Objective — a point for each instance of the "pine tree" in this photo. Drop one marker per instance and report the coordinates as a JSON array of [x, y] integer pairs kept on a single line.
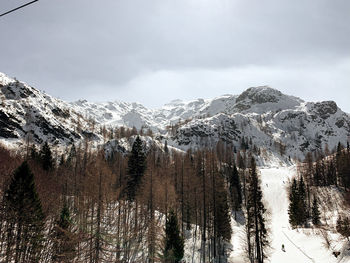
[[174, 243], [315, 213], [166, 149], [235, 189], [293, 204], [343, 227], [64, 238], [25, 218], [331, 174], [297, 210], [33, 153], [302, 207], [46, 157], [256, 215], [136, 167], [222, 218], [72, 155]]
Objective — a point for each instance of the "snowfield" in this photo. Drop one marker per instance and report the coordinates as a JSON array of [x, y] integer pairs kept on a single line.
[[260, 116], [278, 127], [300, 245]]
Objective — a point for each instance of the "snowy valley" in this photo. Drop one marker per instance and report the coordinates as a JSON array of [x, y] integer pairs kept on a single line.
[[182, 140]]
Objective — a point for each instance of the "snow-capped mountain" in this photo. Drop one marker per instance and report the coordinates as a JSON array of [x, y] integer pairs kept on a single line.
[[29, 114], [260, 117]]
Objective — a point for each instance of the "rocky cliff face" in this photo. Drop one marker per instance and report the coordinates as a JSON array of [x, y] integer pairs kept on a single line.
[[261, 117], [28, 114]]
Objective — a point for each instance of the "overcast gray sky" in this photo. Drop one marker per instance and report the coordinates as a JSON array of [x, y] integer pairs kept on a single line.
[[154, 51]]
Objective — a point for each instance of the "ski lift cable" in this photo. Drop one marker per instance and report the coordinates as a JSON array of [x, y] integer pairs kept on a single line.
[[15, 9]]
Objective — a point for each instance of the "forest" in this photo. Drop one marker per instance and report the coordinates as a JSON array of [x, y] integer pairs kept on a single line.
[[318, 174], [86, 206]]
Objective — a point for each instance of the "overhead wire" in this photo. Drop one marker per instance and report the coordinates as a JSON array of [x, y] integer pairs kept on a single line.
[[15, 9]]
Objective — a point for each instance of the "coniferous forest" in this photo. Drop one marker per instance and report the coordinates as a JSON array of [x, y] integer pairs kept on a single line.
[[318, 174], [83, 205]]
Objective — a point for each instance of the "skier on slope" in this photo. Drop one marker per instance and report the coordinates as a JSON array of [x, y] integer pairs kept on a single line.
[[283, 249]]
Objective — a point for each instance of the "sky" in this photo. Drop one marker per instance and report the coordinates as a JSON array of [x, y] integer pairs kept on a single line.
[[156, 51]]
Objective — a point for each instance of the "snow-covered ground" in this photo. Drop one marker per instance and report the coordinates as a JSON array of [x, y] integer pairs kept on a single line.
[[301, 245]]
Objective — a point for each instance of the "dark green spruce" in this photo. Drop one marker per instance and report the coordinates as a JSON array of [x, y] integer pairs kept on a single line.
[[46, 157], [64, 237], [136, 168], [174, 243], [24, 217]]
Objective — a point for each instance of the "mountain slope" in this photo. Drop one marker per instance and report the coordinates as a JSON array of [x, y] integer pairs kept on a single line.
[[28, 114], [261, 118]]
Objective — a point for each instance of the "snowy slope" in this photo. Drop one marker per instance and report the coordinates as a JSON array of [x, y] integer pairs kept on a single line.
[[274, 125], [300, 245], [29, 114], [267, 119]]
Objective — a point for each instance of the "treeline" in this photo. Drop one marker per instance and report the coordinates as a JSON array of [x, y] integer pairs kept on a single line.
[[322, 170], [90, 207], [326, 170]]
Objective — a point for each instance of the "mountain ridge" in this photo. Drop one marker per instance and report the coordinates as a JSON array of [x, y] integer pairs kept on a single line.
[[262, 116]]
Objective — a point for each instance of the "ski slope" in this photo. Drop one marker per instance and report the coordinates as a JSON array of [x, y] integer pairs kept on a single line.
[[299, 246]]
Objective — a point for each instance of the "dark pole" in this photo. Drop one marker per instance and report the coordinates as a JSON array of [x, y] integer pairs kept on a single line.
[[19, 7]]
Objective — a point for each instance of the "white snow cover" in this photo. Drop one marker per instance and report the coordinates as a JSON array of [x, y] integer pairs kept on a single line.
[[262, 115], [301, 245]]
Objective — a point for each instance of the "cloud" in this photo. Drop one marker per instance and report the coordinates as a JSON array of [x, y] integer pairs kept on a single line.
[[74, 48], [308, 81]]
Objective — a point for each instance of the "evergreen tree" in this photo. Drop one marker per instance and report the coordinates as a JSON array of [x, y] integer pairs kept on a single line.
[[24, 218], [244, 144], [315, 213], [166, 149], [64, 238], [136, 168], [293, 204], [174, 243], [256, 215], [302, 207], [331, 174], [72, 155], [343, 167], [297, 207], [33, 153], [62, 160], [235, 189], [222, 217], [343, 227], [46, 157]]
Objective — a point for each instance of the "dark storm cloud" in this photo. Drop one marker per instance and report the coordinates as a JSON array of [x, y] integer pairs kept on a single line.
[[109, 49]]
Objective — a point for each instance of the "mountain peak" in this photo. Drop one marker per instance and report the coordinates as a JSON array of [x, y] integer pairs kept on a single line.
[[263, 99], [175, 102], [259, 95]]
